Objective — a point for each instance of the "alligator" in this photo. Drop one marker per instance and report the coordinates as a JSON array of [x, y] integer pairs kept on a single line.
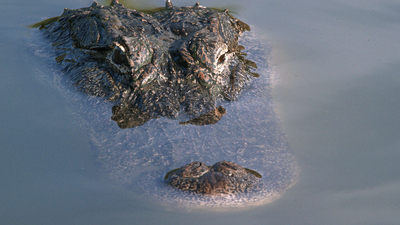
[[175, 63]]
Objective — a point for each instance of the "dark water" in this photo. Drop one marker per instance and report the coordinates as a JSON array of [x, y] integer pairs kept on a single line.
[[337, 92]]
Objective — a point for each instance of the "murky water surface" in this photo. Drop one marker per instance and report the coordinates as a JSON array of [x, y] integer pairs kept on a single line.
[[336, 93]]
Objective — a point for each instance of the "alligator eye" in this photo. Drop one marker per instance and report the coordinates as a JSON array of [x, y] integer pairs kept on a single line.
[[119, 55], [221, 59]]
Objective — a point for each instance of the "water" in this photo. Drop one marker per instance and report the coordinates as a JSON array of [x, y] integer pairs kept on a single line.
[[337, 97]]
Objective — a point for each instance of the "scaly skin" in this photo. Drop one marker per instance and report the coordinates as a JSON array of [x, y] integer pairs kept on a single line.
[[221, 178], [176, 62]]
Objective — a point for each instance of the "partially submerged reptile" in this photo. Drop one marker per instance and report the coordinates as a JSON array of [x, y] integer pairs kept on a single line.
[[177, 62]]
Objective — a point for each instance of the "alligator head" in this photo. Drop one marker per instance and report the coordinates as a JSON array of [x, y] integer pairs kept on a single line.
[[175, 62]]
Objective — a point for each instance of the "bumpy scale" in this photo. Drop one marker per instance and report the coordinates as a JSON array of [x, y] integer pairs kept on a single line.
[[221, 178]]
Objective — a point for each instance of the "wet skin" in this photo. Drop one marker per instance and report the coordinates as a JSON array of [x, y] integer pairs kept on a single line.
[[176, 62]]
